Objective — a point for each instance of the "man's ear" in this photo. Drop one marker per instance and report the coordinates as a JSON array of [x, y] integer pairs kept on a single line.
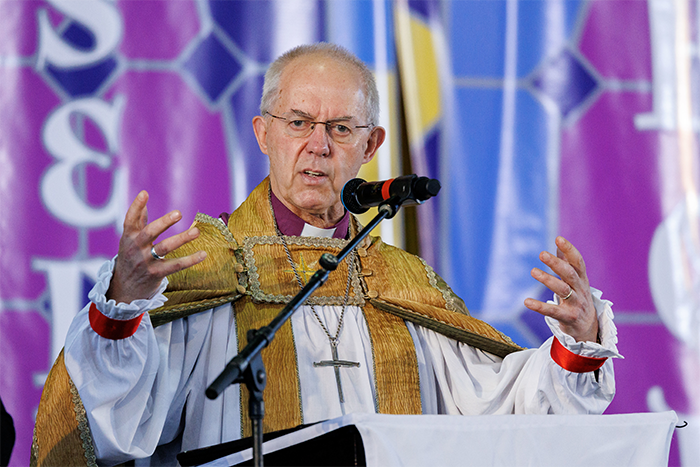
[[376, 139], [260, 130]]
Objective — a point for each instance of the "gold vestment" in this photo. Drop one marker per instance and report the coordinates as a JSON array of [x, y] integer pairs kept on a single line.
[[246, 264]]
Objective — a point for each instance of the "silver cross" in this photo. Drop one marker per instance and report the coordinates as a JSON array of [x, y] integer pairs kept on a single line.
[[337, 364]]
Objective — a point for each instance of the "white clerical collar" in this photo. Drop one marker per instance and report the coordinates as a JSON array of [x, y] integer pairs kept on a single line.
[[293, 226], [311, 231]]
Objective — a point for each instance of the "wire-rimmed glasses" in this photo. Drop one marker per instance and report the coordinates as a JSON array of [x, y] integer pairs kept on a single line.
[[340, 131]]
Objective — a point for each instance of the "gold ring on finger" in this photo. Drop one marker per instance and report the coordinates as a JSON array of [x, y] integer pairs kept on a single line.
[[571, 291]]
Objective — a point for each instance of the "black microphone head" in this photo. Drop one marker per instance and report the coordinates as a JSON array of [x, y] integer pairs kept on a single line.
[[426, 188], [349, 199]]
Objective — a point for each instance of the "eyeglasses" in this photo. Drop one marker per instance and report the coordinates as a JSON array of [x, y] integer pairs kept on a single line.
[[339, 131]]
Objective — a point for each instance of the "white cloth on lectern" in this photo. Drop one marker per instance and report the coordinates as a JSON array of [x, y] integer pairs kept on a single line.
[[573, 440]]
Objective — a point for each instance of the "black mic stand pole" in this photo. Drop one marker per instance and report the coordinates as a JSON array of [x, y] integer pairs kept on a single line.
[[247, 367]]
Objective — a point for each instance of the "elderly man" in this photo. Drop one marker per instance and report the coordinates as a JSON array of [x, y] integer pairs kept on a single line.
[[407, 343]]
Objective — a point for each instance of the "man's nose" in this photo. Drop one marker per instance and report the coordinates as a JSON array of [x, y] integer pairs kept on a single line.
[[319, 141]]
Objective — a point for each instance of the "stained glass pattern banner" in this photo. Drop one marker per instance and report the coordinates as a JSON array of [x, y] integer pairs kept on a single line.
[[539, 118]]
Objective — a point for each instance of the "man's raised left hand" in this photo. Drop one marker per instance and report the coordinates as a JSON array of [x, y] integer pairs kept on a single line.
[[575, 312]]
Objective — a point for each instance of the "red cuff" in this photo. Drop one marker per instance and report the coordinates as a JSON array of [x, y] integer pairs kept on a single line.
[[112, 328], [573, 362]]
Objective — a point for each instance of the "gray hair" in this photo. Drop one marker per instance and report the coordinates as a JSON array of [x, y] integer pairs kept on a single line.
[[274, 75]]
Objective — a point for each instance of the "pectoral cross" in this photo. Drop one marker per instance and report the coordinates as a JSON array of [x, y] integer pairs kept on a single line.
[[337, 364]]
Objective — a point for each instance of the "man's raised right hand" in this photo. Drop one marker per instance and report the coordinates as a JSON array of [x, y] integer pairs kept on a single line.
[[137, 273]]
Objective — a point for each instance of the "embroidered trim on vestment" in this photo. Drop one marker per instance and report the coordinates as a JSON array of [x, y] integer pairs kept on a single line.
[[449, 330], [85, 435], [34, 455], [166, 314], [259, 295], [218, 223], [433, 280]]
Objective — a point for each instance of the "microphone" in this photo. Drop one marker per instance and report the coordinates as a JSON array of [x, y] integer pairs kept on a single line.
[[358, 195]]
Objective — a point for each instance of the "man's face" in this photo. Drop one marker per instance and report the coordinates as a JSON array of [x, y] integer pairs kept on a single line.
[[308, 173]]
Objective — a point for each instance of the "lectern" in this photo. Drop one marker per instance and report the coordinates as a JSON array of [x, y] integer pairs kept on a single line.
[[340, 447]]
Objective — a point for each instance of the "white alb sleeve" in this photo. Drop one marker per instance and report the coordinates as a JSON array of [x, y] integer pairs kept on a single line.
[[470, 381], [128, 386]]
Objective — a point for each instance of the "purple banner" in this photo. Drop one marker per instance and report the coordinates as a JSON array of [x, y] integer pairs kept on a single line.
[[576, 117]]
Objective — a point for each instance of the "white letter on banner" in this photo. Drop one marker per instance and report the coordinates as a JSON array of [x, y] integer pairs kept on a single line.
[[57, 189], [101, 18], [65, 279], [662, 27]]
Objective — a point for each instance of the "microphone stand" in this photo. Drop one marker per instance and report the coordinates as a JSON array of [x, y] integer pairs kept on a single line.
[[247, 367]]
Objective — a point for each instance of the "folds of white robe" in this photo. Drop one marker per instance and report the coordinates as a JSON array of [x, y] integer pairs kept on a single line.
[[144, 395]]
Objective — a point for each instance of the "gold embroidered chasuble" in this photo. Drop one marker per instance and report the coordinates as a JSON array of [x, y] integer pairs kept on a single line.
[[247, 265]]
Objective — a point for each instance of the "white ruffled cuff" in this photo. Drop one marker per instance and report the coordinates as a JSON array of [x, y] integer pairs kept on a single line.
[[607, 331], [122, 311]]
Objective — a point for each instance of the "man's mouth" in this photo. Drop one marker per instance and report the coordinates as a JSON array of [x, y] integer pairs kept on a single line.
[[313, 173]]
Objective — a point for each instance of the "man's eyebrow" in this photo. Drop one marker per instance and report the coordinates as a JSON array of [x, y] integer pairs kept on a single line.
[[301, 113]]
